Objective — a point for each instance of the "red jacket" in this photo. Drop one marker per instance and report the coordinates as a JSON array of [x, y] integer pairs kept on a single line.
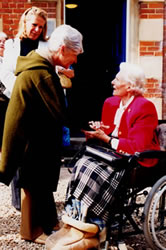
[[137, 127]]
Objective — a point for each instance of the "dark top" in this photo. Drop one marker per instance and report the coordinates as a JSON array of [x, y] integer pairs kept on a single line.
[[28, 45]]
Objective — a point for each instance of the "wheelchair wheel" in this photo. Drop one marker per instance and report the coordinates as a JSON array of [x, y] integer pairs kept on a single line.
[[154, 225]]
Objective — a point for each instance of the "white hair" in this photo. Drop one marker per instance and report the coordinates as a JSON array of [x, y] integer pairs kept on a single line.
[[3, 35], [133, 74], [68, 36]]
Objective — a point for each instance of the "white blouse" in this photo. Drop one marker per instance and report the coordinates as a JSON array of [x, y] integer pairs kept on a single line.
[[117, 119]]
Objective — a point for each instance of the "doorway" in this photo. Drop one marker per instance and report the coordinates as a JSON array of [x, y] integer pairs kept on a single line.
[[104, 41]]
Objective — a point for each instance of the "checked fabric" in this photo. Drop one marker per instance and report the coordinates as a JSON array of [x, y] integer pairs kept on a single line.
[[94, 182]]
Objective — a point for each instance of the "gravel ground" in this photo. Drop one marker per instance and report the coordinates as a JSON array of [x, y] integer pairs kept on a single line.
[[10, 220], [10, 217]]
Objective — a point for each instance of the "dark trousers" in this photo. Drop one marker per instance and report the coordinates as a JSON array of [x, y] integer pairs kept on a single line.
[[16, 192], [3, 107]]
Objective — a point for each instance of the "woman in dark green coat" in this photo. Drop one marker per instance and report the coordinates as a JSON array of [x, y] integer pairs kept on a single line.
[[33, 130]]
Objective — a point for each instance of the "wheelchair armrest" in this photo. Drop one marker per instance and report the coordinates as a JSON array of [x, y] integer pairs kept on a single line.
[[150, 154]]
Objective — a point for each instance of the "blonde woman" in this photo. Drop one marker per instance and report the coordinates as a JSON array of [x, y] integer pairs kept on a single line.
[[31, 35]]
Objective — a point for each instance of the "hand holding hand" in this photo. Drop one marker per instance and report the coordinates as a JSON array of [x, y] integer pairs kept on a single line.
[[98, 125], [98, 131]]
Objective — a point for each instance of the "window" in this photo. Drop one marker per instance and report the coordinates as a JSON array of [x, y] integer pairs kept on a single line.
[[51, 25]]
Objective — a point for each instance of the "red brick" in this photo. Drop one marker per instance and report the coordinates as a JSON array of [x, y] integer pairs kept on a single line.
[[146, 54], [155, 16], [153, 48], [160, 53], [143, 48], [144, 5], [147, 11], [143, 16], [156, 5], [159, 11], [147, 43], [5, 5]]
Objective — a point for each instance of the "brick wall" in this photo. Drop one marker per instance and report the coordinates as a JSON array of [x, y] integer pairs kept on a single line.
[[164, 68], [151, 49], [11, 10], [151, 10]]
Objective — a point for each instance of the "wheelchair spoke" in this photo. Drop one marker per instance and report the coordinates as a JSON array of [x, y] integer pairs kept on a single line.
[[155, 216], [157, 223]]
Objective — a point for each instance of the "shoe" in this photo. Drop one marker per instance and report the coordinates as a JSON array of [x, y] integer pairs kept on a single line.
[[70, 238], [41, 239]]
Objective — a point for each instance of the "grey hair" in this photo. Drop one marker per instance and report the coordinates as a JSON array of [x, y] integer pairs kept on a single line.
[[133, 74], [68, 36]]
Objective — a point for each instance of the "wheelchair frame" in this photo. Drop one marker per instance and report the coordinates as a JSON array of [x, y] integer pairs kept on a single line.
[[151, 212], [130, 212], [151, 215]]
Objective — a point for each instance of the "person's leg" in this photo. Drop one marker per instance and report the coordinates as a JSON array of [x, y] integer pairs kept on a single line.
[[47, 211], [30, 228], [16, 192], [38, 213]]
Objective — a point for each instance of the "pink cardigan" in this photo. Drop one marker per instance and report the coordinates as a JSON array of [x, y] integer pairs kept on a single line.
[[137, 127]]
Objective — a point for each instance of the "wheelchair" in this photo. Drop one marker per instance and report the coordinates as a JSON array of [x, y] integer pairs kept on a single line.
[[138, 207]]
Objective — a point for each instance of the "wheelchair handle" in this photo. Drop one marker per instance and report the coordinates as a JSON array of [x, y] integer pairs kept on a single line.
[[150, 154]]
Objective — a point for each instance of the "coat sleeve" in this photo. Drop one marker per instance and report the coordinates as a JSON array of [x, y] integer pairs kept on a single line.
[[11, 53], [14, 137]]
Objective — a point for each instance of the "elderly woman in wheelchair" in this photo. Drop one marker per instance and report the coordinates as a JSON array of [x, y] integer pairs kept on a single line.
[[110, 163]]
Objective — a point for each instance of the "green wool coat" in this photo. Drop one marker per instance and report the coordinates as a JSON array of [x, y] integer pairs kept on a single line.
[[33, 126]]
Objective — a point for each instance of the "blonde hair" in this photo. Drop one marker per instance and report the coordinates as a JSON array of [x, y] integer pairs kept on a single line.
[[33, 11]]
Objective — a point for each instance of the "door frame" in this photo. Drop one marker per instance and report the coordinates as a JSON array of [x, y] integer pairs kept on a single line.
[[132, 31]]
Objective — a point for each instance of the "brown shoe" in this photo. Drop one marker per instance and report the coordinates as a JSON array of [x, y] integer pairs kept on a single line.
[[70, 238], [41, 239]]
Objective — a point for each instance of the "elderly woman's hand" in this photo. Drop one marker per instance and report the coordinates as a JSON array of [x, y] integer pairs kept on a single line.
[[98, 131], [97, 125]]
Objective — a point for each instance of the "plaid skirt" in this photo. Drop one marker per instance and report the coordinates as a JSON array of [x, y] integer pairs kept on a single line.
[[94, 182]]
